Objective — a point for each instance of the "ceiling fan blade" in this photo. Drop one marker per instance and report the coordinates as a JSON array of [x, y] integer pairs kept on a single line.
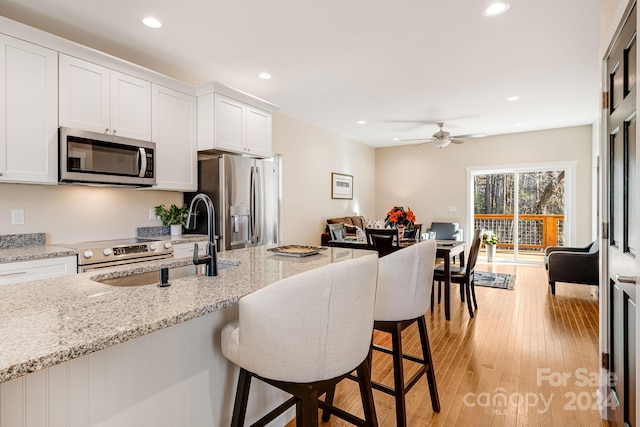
[[418, 139], [457, 141], [471, 135]]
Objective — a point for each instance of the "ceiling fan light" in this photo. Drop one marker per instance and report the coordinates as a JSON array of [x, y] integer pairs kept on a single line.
[[441, 143]]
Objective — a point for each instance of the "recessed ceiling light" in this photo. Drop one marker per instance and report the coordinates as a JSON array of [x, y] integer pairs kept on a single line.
[[396, 139], [518, 124], [264, 76], [361, 122], [151, 22], [513, 98], [496, 8]]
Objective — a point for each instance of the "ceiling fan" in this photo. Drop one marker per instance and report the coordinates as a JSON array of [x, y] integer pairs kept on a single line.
[[442, 138]]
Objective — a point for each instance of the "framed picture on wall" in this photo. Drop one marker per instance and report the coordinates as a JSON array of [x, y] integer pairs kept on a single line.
[[341, 186]]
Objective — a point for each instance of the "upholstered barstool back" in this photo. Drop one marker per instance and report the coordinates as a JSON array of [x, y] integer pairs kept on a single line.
[[305, 329], [403, 282]]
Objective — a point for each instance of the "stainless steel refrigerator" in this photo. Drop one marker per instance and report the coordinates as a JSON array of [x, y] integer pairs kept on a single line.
[[246, 196]]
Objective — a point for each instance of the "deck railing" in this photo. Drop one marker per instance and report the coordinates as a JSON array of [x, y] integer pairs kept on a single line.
[[535, 232]]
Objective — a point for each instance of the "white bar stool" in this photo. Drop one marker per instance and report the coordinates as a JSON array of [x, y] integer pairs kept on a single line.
[[304, 334], [405, 280]]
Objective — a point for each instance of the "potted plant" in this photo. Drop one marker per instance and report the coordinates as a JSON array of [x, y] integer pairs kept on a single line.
[[398, 218], [174, 217], [490, 240]]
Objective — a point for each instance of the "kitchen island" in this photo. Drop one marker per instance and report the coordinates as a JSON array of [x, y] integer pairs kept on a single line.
[[78, 352]]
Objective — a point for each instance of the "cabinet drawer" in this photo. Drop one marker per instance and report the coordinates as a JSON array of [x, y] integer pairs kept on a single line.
[[23, 271], [183, 250]]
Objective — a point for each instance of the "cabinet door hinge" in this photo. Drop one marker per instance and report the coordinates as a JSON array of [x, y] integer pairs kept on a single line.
[[605, 230], [605, 360], [605, 99]]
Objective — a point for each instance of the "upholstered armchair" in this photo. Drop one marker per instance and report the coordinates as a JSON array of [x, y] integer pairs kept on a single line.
[[446, 230], [573, 265]]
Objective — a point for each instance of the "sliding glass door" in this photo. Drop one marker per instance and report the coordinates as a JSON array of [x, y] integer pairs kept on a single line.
[[526, 207]]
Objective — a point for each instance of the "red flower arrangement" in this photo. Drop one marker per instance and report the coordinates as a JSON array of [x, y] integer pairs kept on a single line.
[[398, 216]]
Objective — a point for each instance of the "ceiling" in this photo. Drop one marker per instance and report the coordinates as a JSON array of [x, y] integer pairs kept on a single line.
[[395, 65]]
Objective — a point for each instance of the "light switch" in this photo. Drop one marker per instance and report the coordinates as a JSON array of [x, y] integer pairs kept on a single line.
[[17, 217]]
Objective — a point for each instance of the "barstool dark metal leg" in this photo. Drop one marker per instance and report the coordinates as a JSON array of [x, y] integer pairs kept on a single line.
[[242, 397], [366, 393], [398, 375], [426, 354]]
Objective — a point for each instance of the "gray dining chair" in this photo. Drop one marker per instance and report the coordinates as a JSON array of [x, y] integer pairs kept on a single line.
[[337, 231]]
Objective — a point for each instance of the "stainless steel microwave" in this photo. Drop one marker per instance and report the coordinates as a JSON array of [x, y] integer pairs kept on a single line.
[[95, 158]]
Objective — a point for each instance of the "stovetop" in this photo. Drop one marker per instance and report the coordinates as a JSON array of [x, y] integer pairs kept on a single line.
[[103, 251]]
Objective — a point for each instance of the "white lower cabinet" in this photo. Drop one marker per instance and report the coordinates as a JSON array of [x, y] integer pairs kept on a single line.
[[183, 250], [174, 130], [177, 376], [22, 271], [28, 112]]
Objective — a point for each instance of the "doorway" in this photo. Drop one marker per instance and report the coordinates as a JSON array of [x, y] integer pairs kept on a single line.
[[528, 207]]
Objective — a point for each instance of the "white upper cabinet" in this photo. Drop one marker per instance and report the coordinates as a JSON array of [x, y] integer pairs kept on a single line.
[[28, 112], [259, 130], [130, 106], [229, 119], [230, 122], [97, 99], [174, 132]]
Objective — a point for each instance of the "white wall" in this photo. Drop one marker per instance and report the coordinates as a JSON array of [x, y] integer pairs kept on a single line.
[[309, 155], [70, 213], [431, 179]]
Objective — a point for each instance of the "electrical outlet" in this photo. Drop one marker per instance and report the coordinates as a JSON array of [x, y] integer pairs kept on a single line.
[[17, 217], [152, 214]]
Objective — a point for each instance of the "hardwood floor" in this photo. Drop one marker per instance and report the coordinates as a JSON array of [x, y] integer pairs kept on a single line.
[[537, 351]]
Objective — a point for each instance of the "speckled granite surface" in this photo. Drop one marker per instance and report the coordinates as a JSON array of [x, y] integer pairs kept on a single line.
[[29, 253], [161, 230], [21, 240], [46, 322]]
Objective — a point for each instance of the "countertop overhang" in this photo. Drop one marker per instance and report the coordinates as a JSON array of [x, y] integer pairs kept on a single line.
[[47, 322]]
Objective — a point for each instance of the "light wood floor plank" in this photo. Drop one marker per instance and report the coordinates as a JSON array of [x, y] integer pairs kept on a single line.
[[516, 338]]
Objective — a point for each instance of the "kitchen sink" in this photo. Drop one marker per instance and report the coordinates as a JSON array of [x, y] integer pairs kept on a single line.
[[153, 277]]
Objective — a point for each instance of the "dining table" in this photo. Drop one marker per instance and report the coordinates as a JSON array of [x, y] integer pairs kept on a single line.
[[447, 250]]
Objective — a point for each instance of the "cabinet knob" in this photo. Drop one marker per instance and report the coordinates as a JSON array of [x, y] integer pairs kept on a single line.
[[114, 132], [106, 130], [0, 173]]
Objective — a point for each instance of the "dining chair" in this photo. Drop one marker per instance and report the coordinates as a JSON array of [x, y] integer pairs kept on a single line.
[[415, 233], [405, 280], [337, 231], [304, 334], [464, 276], [383, 240]]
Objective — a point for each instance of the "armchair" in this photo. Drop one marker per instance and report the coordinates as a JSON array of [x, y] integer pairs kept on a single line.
[[446, 230], [572, 265]]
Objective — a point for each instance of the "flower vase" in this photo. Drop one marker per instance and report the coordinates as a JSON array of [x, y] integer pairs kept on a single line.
[[176, 230], [491, 252], [400, 231]]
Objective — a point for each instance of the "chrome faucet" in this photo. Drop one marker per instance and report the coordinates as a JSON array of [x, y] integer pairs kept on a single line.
[[211, 259]]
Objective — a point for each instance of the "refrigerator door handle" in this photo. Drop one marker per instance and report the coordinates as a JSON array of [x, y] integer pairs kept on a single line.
[[256, 200], [254, 227]]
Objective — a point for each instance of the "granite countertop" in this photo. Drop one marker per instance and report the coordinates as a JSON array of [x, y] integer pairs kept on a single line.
[[46, 322], [29, 253]]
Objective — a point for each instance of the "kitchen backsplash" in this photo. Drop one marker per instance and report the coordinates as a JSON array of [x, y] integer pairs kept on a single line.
[[21, 240]]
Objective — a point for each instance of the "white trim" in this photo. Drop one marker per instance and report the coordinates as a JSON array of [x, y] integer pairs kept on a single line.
[[570, 168]]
